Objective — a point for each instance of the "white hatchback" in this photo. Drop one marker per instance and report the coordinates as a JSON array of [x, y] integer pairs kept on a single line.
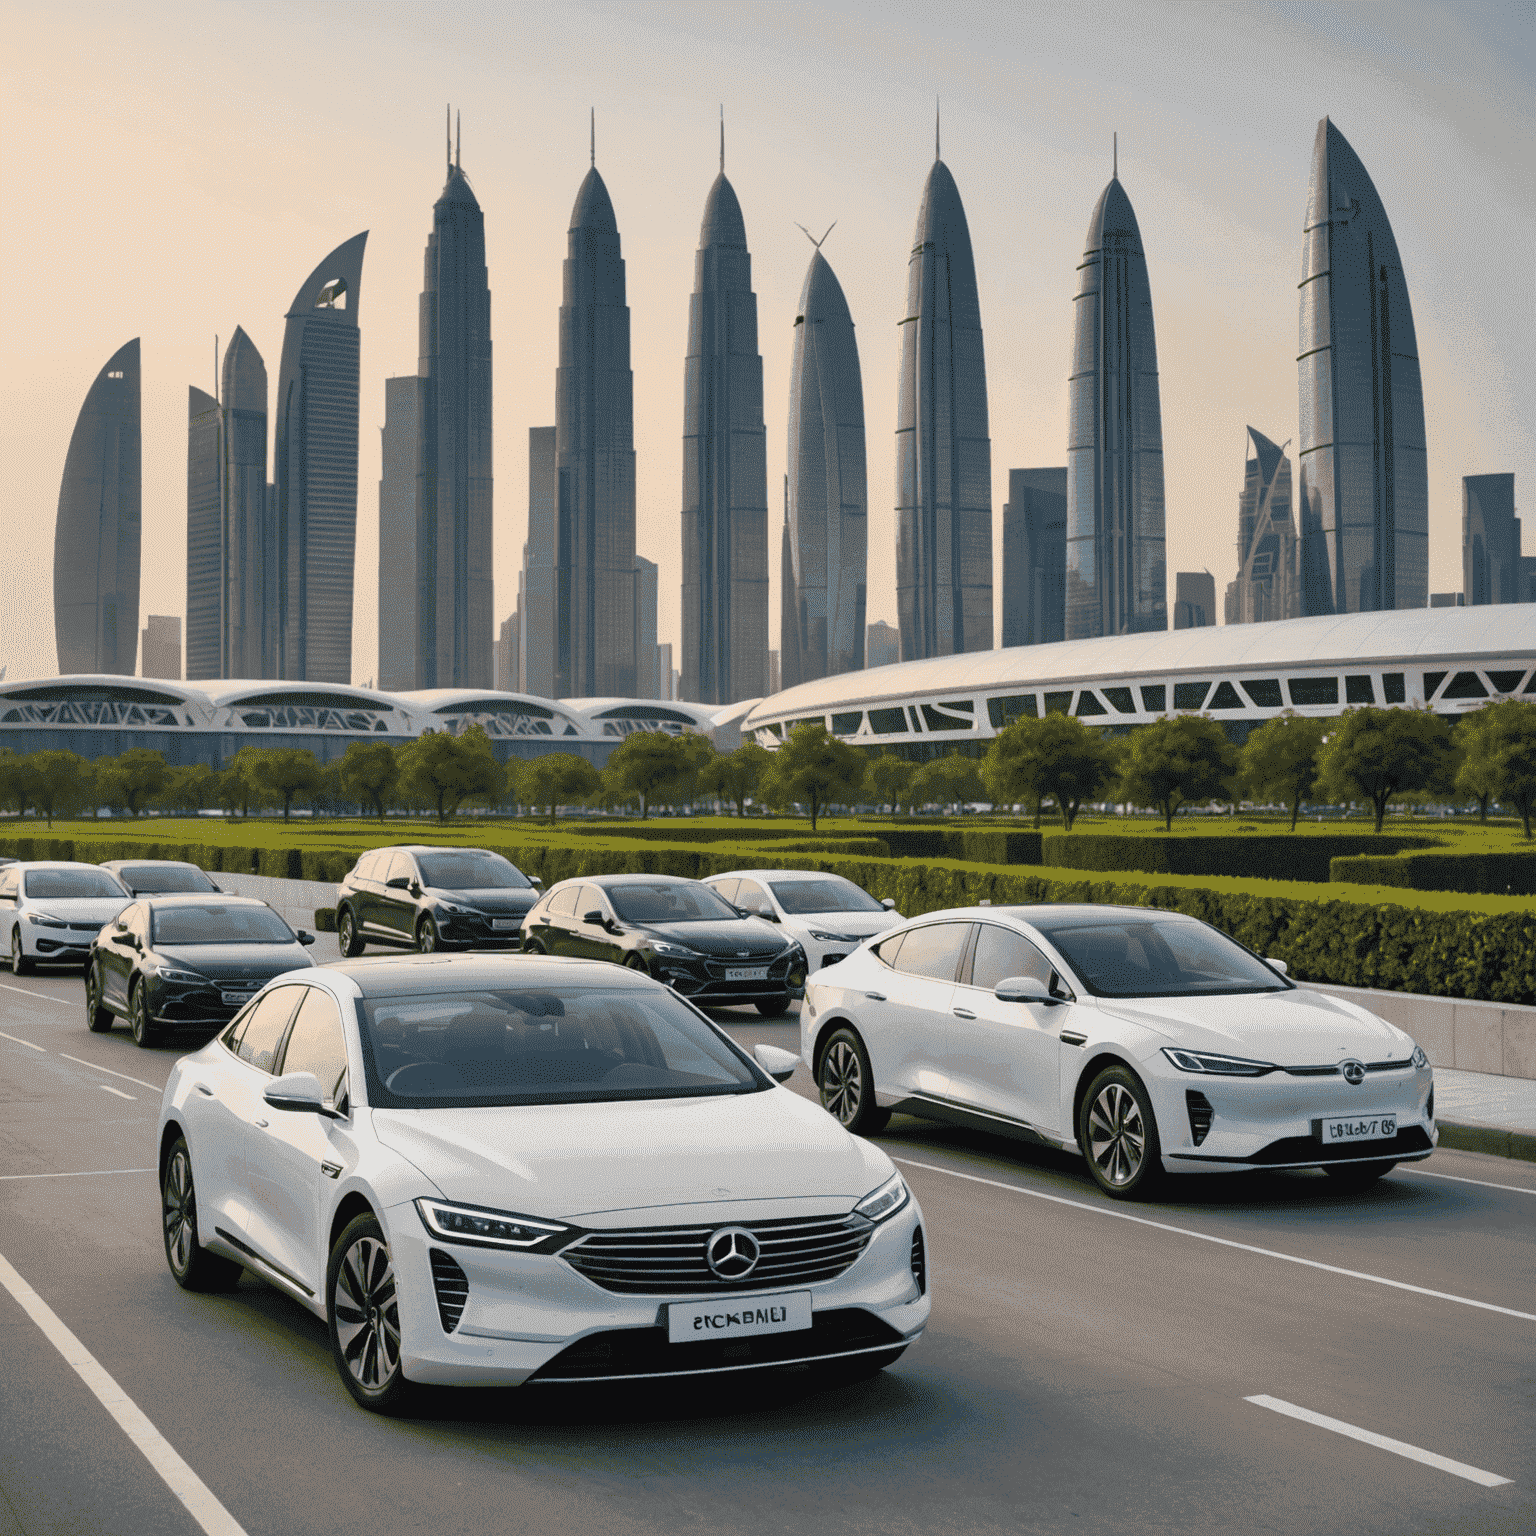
[[52, 910], [830, 916], [1147, 1041]]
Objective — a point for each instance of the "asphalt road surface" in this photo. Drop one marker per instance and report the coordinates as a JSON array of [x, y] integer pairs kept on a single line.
[[1089, 1367]]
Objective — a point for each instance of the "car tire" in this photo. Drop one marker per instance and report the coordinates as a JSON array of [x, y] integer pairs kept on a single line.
[[846, 1083], [363, 1310], [774, 1007], [1350, 1177], [192, 1266], [348, 939], [20, 965], [146, 1033], [1117, 1132], [428, 940], [98, 1017], [532, 947], [636, 962]]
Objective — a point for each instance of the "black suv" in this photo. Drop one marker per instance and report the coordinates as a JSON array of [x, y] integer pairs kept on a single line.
[[428, 898]]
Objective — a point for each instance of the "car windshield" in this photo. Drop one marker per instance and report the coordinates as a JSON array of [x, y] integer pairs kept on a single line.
[[219, 923], [152, 878], [545, 1045], [71, 884], [669, 901], [829, 894], [1158, 957], [471, 870]]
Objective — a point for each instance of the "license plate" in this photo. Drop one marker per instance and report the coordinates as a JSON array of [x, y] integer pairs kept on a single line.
[[748, 973], [506, 922], [738, 1317], [1359, 1128], [236, 999]]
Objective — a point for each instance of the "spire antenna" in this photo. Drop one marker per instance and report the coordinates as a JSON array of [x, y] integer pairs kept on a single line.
[[722, 138], [936, 154], [448, 131], [594, 138], [812, 238], [1117, 157], [215, 367], [458, 139]]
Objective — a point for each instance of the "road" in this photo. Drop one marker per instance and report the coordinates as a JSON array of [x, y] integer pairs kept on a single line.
[[1089, 1365]]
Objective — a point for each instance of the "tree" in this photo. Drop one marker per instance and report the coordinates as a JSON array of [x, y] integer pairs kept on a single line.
[[1373, 754], [1477, 774], [813, 767], [137, 775], [285, 772], [63, 783], [190, 789], [1513, 734], [1175, 760], [445, 770], [370, 773], [890, 777], [18, 779], [1279, 761], [644, 763], [952, 779], [557, 778], [1056, 756], [735, 776]]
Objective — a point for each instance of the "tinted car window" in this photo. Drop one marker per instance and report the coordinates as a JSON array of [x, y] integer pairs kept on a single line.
[[933, 951], [888, 948], [367, 866], [550, 1045], [399, 864], [316, 1043], [751, 896], [1169, 957], [70, 884], [725, 889], [829, 893], [160, 877], [590, 899], [220, 923], [471, 870], [668, 901], [1001, 954], [8, 885], [263, 1032], [563, 903]]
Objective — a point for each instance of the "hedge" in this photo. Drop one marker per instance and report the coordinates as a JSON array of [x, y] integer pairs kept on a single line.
[[1269, 857], [1491, 874]]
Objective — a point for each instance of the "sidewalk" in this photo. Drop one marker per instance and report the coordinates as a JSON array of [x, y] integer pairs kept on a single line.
[[1478, 1112]]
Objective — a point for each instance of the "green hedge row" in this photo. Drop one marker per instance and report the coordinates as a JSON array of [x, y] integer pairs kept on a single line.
[[329, 865], [1491, 874], [1250, 855], [854, 847]]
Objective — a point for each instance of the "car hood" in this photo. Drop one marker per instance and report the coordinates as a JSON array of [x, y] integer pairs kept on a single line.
[[857, 925], [498, 900], [1292, 1029], [237, 962], [566, 1161], [78, 909], [724, 940]]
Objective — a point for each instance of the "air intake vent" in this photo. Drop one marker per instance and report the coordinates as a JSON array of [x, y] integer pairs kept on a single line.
[[1200, 1115], [919, 1261], [452, 1287], [1430, 1107]]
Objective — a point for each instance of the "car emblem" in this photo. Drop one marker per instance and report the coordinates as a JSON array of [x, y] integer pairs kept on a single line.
[[733, 1253], [1354, 1071], [741, 954]]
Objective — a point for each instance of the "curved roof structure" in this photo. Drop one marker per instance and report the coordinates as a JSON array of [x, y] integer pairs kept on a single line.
[[622, 717], [498, 713]]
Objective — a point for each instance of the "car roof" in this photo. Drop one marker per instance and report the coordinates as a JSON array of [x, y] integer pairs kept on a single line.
[[56, 864], [428, 848], [198, 899], [386, 975], [779, 874], [1045, 915], [632, 879], [116, 864]]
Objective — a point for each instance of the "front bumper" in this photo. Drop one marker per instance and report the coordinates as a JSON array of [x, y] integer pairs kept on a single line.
[[702, 979], [475, 930]]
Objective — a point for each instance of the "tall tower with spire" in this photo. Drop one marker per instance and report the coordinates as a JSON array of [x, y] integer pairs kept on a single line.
[[1116, 561], [595, 575], [725, 467], [943, 452]]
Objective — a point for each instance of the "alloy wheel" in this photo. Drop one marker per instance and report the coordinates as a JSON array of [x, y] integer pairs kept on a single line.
[[179, 1210], [1117, 1134], [19, 965], [842, 1082], [138, 1018], [426, 936], [367, 1312]]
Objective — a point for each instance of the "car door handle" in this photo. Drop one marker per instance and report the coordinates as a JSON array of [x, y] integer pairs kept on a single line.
[[331, 1170], [875, 997], [1072, 1037], [203, 1088], [963, 1013]]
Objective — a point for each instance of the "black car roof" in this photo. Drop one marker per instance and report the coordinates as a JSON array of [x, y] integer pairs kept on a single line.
[[384, 975]]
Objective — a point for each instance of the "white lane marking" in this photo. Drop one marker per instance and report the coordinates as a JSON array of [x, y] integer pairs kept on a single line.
[[84, 1173], [110, 1073], [1456, 1178], [1223, 1242], [47, 997], [108, 1088], [194, 1494], [17, 1040], [1397, 1447]]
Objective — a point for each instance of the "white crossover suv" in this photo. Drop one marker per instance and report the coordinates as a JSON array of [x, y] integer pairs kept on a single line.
[[830, 916]]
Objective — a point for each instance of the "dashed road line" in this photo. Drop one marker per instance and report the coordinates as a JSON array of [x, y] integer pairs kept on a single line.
[[84, 1173], [1456, 1178], [108, 1088], [47, 997], [17, 1040], [153, 1087], [1397, 1447]]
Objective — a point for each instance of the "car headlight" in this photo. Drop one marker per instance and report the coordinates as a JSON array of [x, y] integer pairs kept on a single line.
[[44, 921], [665, 947], [885, 1201], [456, 909], [832, 938], [171, 973], [477, 1227], [1219, 1066], [1419, 1059]]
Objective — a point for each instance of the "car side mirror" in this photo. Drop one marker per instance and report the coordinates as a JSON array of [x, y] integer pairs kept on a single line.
[[594, 918], [301, 1093], [1277, 965], [535, 880], [398, 883], [889, 904], [305, 937], [778, 1064], [1025, 989], [767, 914]]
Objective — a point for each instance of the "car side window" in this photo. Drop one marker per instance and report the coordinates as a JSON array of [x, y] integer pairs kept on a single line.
[[751, 897], [317, 1044], [933, 951], [888, 949], [365, 867], [399, 864], [725, 890], [563, 903], [592, 898], [1001, 953], [136, 920], [263, 1032], [8, 883]]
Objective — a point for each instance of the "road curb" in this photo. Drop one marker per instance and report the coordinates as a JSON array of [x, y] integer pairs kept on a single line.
[[1488, 1138]]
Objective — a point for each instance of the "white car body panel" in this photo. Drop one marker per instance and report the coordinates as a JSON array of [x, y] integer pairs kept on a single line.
[[852, 928]]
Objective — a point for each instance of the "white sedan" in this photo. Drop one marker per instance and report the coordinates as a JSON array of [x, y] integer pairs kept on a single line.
[[830, 916], [52, 910], [1147, 1041], [492, 1170]]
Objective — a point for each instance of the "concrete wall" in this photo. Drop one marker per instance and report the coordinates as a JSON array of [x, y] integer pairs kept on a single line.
[[295, 900]]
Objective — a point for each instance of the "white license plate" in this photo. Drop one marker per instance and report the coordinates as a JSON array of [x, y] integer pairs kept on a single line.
[[236, 999], [738, 1317], [747, 973], [1359, 1128], [506, 922]]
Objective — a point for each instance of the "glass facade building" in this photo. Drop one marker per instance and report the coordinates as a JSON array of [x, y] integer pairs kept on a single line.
[[1035, 556], [1490, 541], [1116, 580], [1364, 488], [1268, 584]]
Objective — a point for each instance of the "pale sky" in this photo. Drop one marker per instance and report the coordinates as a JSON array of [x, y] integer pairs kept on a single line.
[[172, 170]]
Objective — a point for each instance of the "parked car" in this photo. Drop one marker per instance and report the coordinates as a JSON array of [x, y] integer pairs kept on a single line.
[[186, 962], [1146, 1041], [426, 898], [679, 931], [157, 877], [828, 916], [50, 910], [549, 1172]]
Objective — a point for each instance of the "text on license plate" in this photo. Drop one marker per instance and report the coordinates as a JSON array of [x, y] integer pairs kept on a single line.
[[1360, 1128], [506, 922], [235, 999], [747, 973], [738, 1317]]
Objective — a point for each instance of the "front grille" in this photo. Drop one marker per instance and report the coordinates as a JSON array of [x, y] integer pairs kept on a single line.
[[669, 1261], [919, 1261], [1333, 1071], [621, 1352], [1200, 1115], [452, 1287], [1307, 1149]]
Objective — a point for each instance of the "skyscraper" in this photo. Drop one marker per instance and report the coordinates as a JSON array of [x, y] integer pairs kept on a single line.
[[595, 576], [536, 598], [943, 453], [231, 541], [725, 469], [1364, 486], [828, 512], [1194, 600], [406, 542], [647, 655], [1268, 584], [96, 537], [316, 470], [1490, 540], [1035, 556], [1116, 563], [160, 646]]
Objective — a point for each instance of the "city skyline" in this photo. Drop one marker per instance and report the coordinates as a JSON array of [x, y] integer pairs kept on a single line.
[[1221, 210]]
